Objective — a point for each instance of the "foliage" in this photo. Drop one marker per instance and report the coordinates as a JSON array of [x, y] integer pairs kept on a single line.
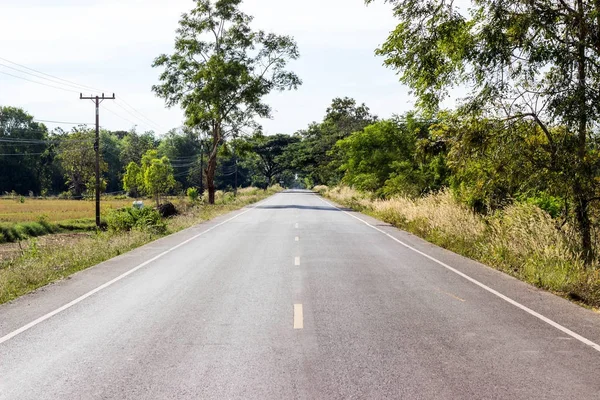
[[133, 180], [154, 176], [158, 177], [315, 156], [11, 232], [271, 161], [220, 71], [19, 136], [193, 194], [126, 219], [536, 61], [78, 162]]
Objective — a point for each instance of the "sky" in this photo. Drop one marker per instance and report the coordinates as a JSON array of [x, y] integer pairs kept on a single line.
[[110, 45]]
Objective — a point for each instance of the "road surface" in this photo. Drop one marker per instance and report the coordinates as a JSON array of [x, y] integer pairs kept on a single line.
[[296, 299]]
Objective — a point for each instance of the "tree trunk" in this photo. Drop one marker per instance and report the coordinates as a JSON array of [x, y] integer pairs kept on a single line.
[[211, 168], [210, 178], [583, 176]]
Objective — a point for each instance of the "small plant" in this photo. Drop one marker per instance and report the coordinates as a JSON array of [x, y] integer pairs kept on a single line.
[[33, 250], [193, 194], [129, 218], [22, 199]]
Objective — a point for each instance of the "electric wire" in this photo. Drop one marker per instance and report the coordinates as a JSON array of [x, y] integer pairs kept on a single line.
[[39, 83], [145, 121]]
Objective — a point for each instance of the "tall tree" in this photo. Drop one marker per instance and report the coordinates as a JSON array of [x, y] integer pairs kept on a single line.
[[77, 158], [221, 70], [317, 155], [134, 146], [270, 151], [22, 145], [534, 60], [158, 178], [182, 147]]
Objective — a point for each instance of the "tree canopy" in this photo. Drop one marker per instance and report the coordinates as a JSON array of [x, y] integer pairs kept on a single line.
[[221, 70]]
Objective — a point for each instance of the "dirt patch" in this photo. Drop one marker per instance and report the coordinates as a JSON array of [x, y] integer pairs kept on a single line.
[[9, 251]]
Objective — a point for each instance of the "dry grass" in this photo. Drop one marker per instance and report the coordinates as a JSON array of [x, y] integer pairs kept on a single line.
[[521, 240], [44, 261], [55, 210]]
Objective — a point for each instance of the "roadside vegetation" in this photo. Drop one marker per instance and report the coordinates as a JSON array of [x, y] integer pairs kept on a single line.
[[35, 265]]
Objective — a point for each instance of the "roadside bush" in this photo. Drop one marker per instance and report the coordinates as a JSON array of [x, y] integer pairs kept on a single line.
[[321, 189], [193, 194], [129, 218]]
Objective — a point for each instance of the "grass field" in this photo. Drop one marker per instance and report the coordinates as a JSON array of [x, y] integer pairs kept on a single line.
[[54, 210]]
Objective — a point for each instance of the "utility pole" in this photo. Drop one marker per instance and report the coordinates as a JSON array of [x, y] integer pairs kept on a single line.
[[201, 168], [97, 100], [236, 172]]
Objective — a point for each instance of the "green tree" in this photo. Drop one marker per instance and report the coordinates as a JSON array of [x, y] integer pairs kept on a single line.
[[532, 60], [77, 159], [133, 180], [221, 70], [158, 177], [182, 147], [394, 157], [23, 151], [271, 160], [316, 155], [134, 146], [110, 148]]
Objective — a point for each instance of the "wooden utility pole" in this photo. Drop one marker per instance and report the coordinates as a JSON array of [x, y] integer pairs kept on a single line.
[[97, 100]]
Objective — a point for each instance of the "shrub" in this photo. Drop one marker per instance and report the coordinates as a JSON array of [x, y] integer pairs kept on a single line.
[[321, 189], [128, 218], [551, 204], [193, 194]]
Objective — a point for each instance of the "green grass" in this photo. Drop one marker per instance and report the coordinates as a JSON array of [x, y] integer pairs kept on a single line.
[[38, 265], [14, 232]]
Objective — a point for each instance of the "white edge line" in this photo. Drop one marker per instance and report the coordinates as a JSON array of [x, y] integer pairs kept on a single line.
[[528, 310], [70, 304]]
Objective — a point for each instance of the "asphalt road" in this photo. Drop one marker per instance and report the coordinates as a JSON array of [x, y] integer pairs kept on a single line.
[[296, 299]]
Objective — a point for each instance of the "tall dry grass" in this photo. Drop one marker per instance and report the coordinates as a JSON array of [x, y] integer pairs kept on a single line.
[[521, 240], [54, 210]]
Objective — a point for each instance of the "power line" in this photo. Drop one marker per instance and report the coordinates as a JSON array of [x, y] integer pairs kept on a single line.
[[63, 122], [127, 119], [51, 76], [142, 115], [138, 118], [39, 83], [145, 121], [40, 77]]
